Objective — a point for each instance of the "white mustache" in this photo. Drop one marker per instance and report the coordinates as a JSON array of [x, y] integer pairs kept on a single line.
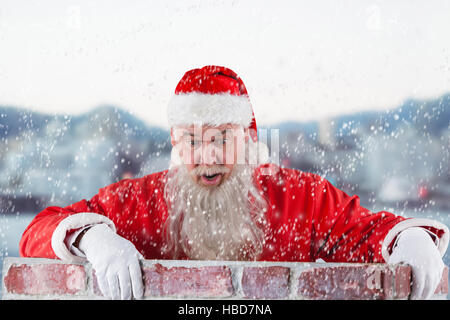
[[203, 170]]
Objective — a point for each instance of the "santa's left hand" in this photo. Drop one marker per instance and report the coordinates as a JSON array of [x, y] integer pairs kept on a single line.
[[416, 248]]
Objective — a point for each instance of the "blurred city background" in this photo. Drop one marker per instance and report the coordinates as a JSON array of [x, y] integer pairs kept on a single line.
[[396, 160]]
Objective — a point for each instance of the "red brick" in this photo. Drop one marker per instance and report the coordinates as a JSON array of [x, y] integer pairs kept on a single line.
[[346, 282], [203, 282], [265, 282], [402, 282], [388, 283], [45, 279], [39, 279]]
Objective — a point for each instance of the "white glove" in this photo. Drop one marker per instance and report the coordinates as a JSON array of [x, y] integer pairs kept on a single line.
[[416, 248], [115, 261]]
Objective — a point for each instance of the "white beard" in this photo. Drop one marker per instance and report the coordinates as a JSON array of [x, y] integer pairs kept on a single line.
[[220, 223]]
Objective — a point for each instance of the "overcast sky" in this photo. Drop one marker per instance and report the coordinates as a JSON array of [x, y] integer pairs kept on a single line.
[[300, 60]]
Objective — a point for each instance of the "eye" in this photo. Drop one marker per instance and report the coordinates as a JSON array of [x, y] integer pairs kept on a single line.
[[220, 142], [195, 143]]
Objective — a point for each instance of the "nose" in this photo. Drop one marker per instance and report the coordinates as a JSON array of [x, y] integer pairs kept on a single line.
[[208, 153]]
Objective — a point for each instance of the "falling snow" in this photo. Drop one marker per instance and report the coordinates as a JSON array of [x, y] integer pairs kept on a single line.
[[396, 160]]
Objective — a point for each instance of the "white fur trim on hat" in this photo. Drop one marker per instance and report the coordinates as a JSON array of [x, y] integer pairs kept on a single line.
[[442, 243], [213, 109], [75, 221]]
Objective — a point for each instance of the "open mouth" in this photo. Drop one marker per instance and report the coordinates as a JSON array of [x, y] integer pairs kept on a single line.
[[211, 179]]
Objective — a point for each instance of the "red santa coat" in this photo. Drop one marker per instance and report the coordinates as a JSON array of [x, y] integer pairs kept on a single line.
[[308, 218]]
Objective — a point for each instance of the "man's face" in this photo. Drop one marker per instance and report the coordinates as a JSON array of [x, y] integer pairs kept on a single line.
[[210, 152]]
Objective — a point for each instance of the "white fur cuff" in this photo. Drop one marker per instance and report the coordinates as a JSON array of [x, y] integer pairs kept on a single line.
[[415, 222], [72, 222]]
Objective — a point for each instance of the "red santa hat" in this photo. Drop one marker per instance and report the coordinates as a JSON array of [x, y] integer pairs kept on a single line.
[[214, 95]]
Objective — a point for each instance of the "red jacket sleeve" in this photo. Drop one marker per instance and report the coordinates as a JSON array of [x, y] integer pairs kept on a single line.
[[133, 208], [37, 237], [344, 231]]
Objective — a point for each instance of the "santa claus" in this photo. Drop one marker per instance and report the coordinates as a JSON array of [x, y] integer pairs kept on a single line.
[[221, 200]]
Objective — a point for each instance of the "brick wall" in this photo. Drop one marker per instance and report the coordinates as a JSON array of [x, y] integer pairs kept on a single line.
[[27, 278]]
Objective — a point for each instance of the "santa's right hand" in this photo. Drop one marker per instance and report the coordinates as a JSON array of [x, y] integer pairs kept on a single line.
[[115, 261]]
